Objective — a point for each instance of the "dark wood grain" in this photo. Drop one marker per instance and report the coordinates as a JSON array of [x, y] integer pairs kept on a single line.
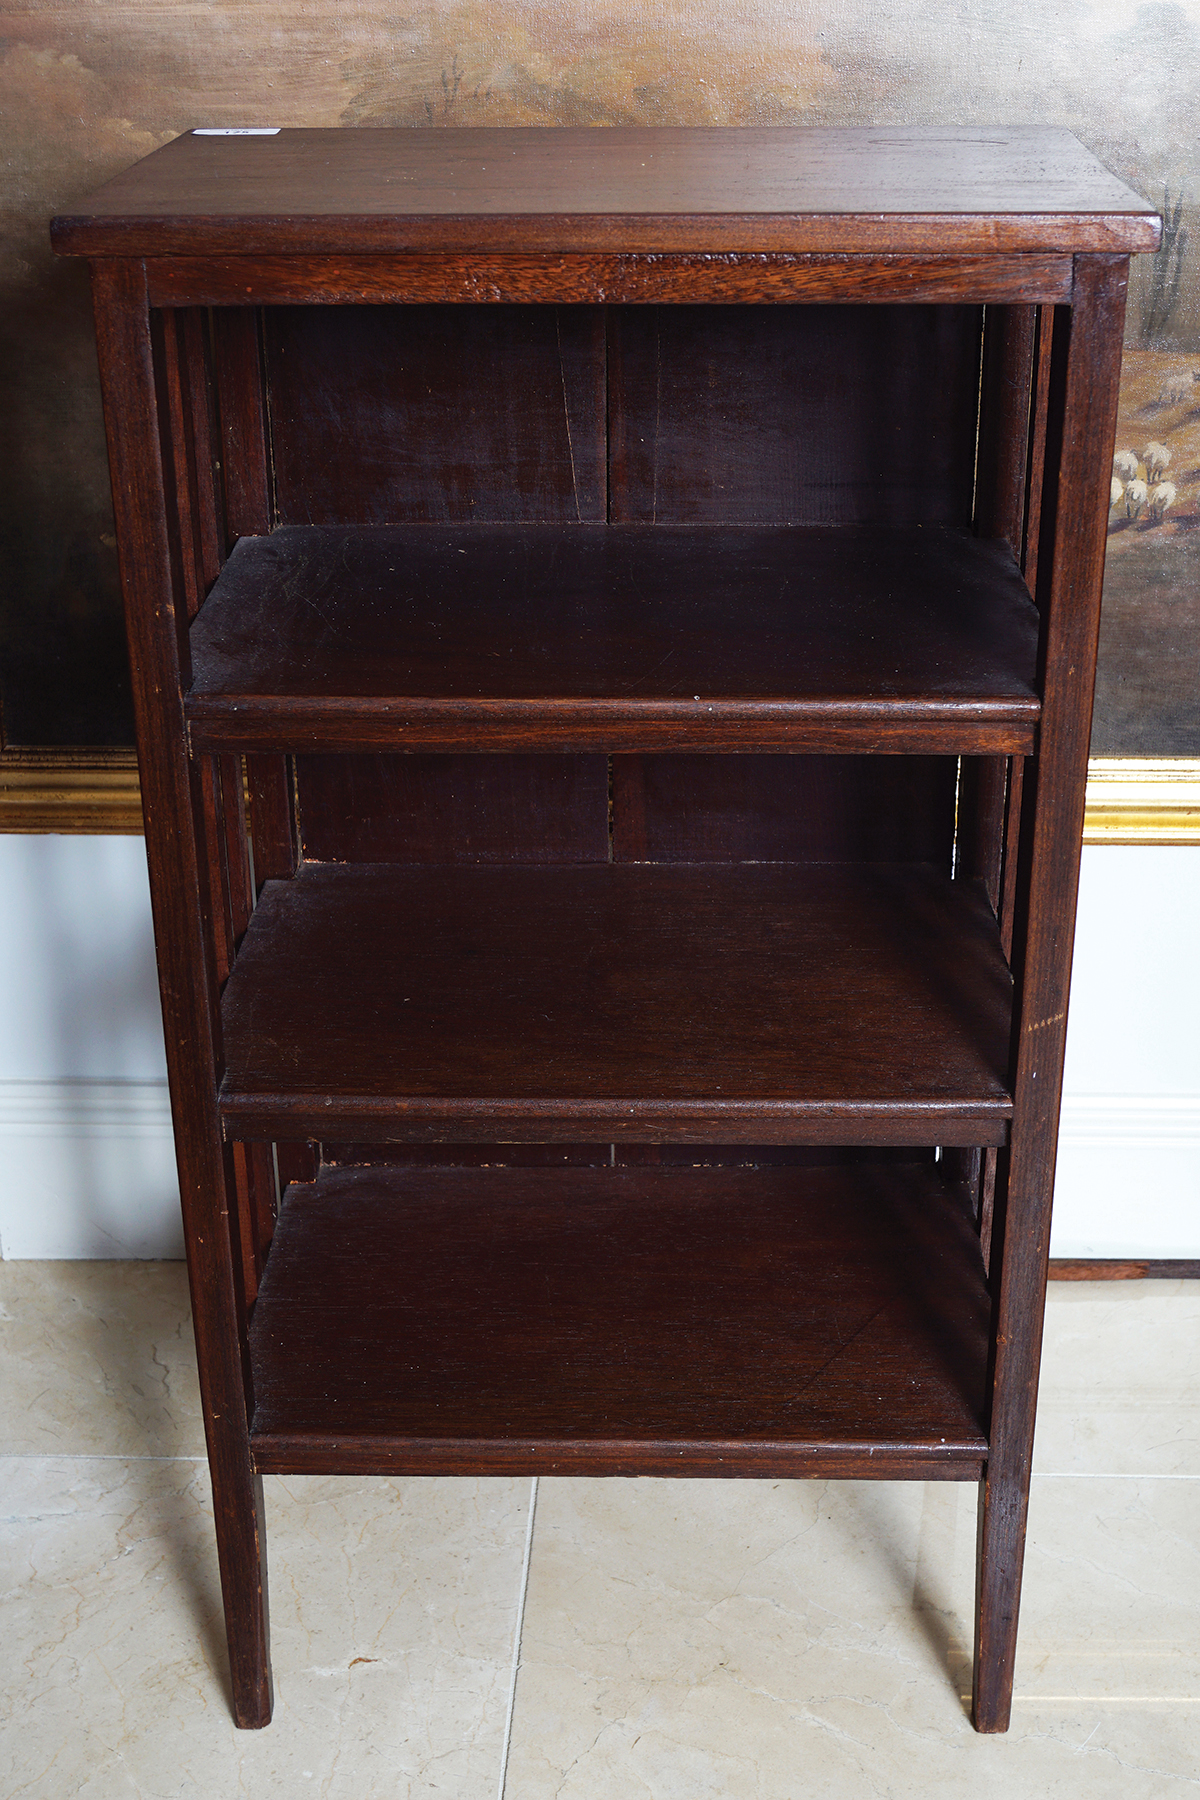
[[1043, 345], [469, 1156], [623, 1322], [1012, 844], [176, 371], [270, 783], [241, 406], [900, 189], [612, 637], [1082, 414], [446, 809], [783, 809], [138, 434], [1102, 1268], [727, 278], [382, 415], [1005, 400], [827, 1004], [196, 357], [802, 415], [979, 851]]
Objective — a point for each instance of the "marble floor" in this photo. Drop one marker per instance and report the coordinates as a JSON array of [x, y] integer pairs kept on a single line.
[[471, 1640]]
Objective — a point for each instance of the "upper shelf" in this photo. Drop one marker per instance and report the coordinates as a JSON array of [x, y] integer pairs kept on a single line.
[[939, 190], [617, 637]]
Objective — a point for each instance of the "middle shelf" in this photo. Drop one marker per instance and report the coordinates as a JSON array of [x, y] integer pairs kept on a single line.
[[617, 637], [753, 1003]]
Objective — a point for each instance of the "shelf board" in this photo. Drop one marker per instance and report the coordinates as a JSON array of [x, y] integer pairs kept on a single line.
[[616, 637], [751, 1003], [778, 1322]]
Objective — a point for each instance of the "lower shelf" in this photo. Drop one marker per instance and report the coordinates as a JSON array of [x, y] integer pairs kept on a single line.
[[824, 1321]]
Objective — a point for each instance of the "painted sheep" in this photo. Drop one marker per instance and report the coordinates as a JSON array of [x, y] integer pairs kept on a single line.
[[1162, 495], [1125, 464], [1156, 457], [1136, 496], [1177, 388]]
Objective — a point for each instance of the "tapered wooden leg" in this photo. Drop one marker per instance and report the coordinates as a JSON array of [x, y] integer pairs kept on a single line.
[[242, 1554], [1080, 423], [1003, 1507]]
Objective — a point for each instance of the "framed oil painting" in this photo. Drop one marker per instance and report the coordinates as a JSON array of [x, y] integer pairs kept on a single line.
[[86, 90]]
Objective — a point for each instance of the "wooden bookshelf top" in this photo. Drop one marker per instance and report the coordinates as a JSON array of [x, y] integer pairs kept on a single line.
[[935, 189]]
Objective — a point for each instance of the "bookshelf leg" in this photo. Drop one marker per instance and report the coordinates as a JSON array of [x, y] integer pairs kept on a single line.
[[242, 1552], [1003, 1506]]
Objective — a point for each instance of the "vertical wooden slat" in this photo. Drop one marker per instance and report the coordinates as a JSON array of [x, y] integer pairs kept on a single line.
[[987, 1206], [1081, 424], [237, 846], [297, 1162], [980, 848], [1012, 840], [181, 520], [1043, 347], [257, 1197], [195, 362], [272, 818], [241, 402], [220, 923], [1004, 424], [153, 593]]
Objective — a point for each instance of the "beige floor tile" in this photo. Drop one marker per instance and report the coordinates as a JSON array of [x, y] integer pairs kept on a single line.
[[780, 1640], [98, 1359], [682, 1638], [393, 1607], [1120, 1388]]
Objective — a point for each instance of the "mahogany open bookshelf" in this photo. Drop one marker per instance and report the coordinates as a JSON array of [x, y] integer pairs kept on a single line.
[[646, 586]]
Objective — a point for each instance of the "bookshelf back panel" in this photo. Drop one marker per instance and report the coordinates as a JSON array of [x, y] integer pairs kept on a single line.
[[805, 415], [384, 415], [536, 809], [655, 414]]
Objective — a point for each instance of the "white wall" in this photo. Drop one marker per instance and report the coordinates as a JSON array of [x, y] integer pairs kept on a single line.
[[1128, 1180], [86, 1163]]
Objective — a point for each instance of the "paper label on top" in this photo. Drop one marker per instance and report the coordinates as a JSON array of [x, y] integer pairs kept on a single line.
[[235, 131]]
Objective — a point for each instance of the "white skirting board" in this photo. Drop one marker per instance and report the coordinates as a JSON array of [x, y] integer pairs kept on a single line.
[[87, 1170], [86, 1161], [1128, 1177]]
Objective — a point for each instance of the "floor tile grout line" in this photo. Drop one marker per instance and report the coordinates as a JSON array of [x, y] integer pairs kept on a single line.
[[92, 1456], [144, 1456], [1105, 1475], [518, 1627]]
